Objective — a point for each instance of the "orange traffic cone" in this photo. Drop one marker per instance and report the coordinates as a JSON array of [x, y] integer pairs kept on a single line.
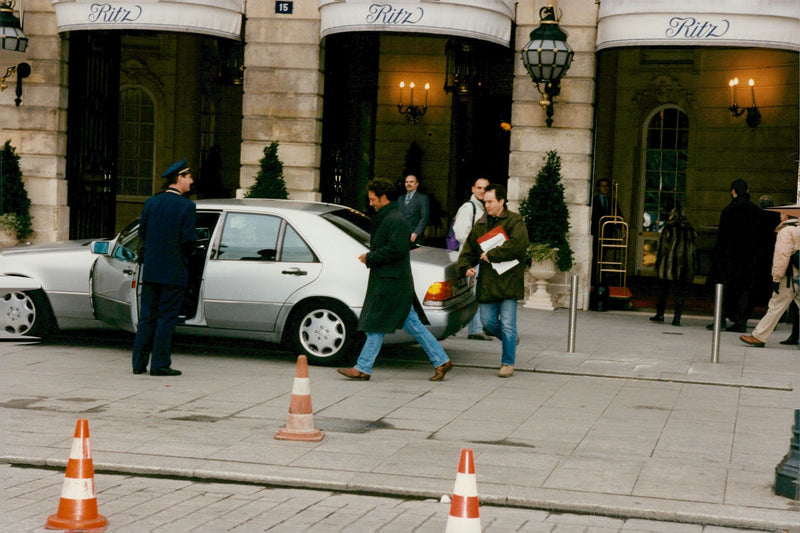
[[300, 425], [464, 514], [78, 506]]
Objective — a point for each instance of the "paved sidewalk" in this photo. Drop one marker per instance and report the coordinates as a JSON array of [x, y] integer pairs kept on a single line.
[[637, 423]]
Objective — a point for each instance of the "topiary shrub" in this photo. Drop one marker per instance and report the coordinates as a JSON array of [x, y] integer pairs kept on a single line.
[[14, 201], [269, 181], [546, 214]]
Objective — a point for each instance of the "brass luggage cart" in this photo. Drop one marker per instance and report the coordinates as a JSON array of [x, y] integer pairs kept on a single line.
[[612, 253]]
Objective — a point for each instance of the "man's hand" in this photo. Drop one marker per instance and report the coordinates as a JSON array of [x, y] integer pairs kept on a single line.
[[485, 257], [776, 287], [470, 272], [413, 237], [363, 258]]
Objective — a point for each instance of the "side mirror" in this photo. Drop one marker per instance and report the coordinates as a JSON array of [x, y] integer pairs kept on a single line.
[[100, 247]]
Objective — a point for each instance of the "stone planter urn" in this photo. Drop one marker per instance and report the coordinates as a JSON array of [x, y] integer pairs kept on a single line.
[[8, 238], [542, 271]]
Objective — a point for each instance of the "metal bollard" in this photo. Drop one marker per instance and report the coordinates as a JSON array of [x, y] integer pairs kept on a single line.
[[717, 323], [573, 313]]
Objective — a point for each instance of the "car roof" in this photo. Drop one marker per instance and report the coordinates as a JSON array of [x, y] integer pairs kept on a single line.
[[268, 203]]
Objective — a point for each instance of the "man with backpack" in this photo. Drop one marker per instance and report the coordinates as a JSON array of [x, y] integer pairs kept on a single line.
[[465, 218]]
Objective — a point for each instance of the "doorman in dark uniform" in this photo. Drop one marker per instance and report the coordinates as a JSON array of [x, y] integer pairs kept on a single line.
[[167, 228]]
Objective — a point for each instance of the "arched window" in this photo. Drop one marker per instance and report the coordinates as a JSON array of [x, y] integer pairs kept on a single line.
[[666, 160], [136, 142]]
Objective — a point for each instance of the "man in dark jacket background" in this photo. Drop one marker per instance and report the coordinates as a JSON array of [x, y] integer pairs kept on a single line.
[[497, 292], [167, 228], [389, 302], [738, 235]]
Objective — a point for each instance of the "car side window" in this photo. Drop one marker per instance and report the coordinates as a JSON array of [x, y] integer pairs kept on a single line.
[[249, 237], [295, 249], [128, 245]]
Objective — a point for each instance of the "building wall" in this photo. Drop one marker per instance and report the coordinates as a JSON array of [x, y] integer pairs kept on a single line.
[[37, 128], [571, 133], [283, 95]]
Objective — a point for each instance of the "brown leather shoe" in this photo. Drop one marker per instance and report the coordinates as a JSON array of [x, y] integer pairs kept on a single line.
[[752, 341], [440, 371], [353, 373]]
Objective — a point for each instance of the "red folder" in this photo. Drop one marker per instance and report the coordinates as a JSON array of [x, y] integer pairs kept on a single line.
[[497, 230]]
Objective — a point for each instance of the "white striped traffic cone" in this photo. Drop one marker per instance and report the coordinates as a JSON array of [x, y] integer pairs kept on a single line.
[[77, 508], [464, 514], [300, 425]]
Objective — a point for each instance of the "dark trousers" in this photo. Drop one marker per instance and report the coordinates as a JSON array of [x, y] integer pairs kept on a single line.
[[678, 289], [737, 304], [158, 315]]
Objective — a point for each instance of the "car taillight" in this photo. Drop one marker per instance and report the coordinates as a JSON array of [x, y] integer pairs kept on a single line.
[[439, 292]]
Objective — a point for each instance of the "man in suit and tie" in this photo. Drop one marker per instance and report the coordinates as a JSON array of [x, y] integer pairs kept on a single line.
[[167, 229], [415, 208]]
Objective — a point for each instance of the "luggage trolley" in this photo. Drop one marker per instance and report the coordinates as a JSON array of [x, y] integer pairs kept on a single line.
[[612, 253]]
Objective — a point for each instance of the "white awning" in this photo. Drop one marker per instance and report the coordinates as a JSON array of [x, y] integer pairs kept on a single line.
[[222, 18], [487, 20], [744, 23]]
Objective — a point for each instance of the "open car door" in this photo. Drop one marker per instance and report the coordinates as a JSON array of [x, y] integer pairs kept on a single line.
[[113, 280]]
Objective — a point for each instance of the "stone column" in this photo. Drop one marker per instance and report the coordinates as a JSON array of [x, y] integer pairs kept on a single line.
[[38, 127], [571, 133], [283, 95]]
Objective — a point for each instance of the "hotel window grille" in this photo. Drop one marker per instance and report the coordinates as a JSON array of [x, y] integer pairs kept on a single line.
[[136, 142]]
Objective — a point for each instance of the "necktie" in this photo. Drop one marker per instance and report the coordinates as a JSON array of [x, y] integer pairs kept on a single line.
[[408, 198]]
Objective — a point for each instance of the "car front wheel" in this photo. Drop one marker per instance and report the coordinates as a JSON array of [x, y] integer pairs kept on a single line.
[[323, 330], [22, 314]]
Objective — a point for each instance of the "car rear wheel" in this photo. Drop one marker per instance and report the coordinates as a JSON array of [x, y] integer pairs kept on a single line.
[[23, 314], [324, 330]]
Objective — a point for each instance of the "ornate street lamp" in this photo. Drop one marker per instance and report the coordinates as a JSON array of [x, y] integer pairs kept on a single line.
[[547, 57], [11, 36], [13, 43]]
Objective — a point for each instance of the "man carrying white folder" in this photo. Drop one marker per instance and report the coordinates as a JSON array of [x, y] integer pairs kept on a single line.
[[499, 238]]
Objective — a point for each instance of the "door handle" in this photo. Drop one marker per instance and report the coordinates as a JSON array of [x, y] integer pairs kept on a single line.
[[128, 271], [294, 272]]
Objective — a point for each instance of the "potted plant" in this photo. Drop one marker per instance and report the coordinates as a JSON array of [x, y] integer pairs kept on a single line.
[[15, 218], [547, 220]]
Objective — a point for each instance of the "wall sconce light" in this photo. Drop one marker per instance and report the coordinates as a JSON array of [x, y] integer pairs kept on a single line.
[[753, 118], [413, 113], [547, 58]]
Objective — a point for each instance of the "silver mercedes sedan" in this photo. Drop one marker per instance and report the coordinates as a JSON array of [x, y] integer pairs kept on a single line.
[[281, 271]]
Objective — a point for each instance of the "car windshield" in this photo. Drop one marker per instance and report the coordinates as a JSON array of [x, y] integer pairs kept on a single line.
[[352, 222]]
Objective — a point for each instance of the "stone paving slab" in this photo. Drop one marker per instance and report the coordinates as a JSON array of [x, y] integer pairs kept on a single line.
[[624, 428]]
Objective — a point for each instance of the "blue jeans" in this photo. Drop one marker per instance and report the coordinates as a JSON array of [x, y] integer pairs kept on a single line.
[[500, 320], [475, 325], [413, 326]]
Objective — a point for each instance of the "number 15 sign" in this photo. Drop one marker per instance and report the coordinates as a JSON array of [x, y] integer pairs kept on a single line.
[[284, 8]]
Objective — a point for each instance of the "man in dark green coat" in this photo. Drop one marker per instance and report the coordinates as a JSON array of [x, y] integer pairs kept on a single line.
[[501, 277], [389, 303]]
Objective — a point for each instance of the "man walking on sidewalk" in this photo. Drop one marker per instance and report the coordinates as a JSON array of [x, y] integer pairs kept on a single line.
[[497, 292], [390, 301], [784, 281]]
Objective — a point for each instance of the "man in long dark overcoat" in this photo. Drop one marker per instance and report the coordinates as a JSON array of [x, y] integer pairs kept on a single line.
[[389, 302], [167, 228], [738, 235]]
